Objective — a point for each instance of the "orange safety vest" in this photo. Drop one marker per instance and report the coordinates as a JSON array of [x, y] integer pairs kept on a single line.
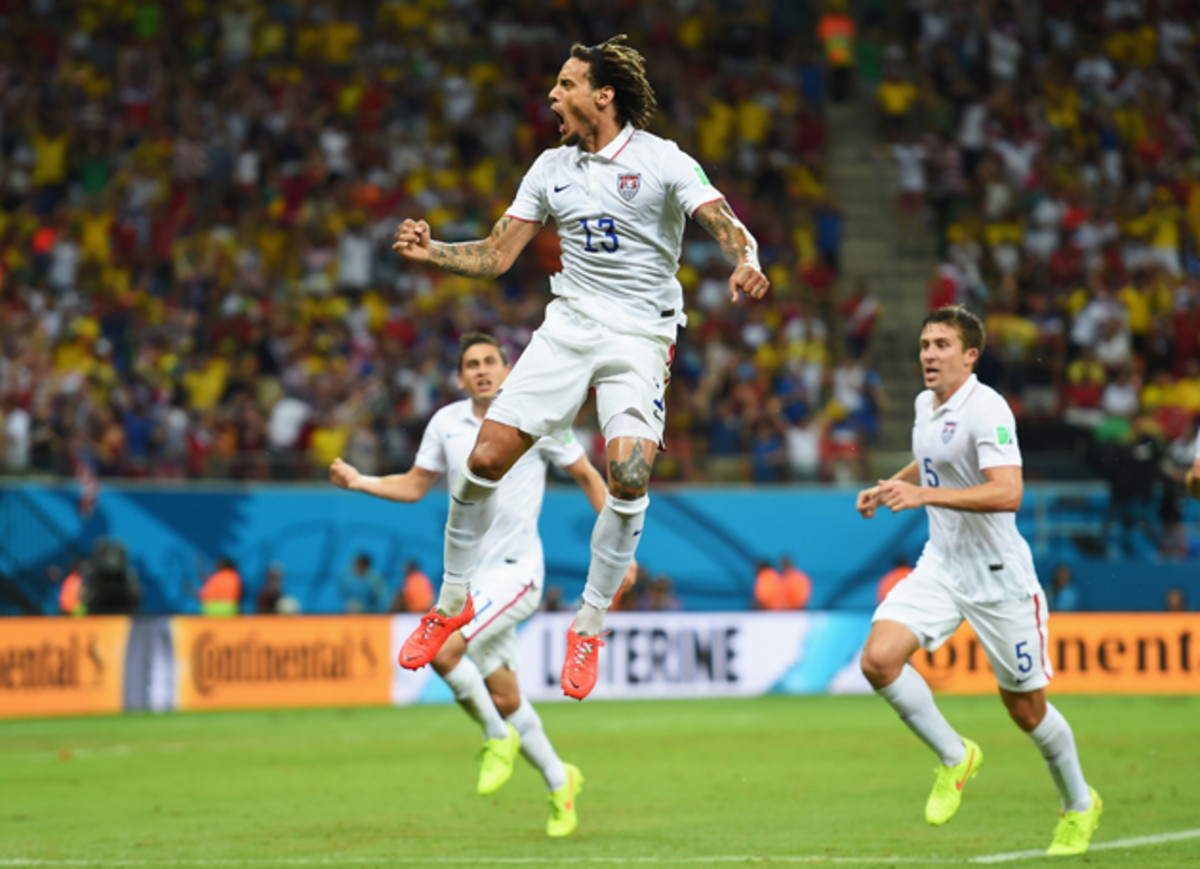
[[769, 591], [798, 588], [418, 592], [70, 596], [220, 594], [836, 32]]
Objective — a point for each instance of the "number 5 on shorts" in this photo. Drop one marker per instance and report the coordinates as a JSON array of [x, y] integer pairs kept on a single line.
[[1024, 659]]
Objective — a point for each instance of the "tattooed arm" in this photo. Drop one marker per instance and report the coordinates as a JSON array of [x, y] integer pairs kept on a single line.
[[487, 258], [739, 247]]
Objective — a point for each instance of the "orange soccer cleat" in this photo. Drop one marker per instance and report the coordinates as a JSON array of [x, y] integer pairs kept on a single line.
[[423, 644], [580, 668]]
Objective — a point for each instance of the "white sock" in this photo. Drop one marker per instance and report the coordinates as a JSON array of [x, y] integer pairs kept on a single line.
[[535, 745], [471, 512], [472, 695], [614, 541], [1057, 743], [910, 696]]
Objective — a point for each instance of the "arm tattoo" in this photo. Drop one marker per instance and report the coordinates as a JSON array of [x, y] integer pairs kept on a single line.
[[737, 244], [475, 259], [630, 477]]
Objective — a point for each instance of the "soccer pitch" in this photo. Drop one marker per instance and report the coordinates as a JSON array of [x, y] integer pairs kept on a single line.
[[768, 781]]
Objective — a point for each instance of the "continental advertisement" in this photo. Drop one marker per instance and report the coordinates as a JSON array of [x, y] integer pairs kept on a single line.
[[1090, 653], [261, 662], [62, 666]]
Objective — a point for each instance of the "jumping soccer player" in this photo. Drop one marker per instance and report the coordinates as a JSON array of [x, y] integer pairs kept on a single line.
[[620, 197]]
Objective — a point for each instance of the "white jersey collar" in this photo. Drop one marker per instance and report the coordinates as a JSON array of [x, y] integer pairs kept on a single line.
[[610, 151], [467, 412], [960, 396]]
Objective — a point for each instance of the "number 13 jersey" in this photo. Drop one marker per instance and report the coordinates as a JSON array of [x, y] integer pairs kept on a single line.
[[620, 215]]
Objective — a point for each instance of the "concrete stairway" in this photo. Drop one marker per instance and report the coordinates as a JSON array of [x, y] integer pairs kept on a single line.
[[861, 179]]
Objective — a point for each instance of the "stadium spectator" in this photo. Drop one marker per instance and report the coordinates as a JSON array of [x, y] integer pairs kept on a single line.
[[859, 312], [71, 600], [362, 587], [221, 592], [552, 601], [415, 594], [636, 587], [1064, 594], [797, 583], [837, 32], [804, 449], [1130, 460], [15, 434], [1175, 601], [270, 593], [660, 596], [785, 589], [896, 99]]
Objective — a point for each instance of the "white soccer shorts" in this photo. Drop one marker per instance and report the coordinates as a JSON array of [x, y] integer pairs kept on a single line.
[[504, 595], [1012, 632], [571, 352]]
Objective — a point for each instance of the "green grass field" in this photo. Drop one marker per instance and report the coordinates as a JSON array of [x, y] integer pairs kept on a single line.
[[771, 781]]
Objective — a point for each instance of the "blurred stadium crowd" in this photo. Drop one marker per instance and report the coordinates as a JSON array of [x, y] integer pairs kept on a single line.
[[199, 201], [199, 198], [1053, 147]]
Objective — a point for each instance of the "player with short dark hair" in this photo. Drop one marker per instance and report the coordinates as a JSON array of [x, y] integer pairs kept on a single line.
[[620, 197], [479, 659], [976, 566]]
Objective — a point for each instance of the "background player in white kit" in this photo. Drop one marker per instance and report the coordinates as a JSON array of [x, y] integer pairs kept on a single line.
[[976, 565], [479, 661], [621, 198]]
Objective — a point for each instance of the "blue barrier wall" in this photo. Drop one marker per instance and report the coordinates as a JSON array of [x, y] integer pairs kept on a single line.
[[706, 540]]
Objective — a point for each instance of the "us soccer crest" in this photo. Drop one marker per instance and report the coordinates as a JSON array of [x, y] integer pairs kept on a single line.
[[628, 185], [948, 431]]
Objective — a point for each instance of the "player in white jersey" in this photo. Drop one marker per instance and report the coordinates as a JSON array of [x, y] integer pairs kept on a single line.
[[479, 661], [976, 566], [620, 197]]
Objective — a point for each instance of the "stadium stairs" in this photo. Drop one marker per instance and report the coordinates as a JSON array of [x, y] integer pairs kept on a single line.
[[896, 266]]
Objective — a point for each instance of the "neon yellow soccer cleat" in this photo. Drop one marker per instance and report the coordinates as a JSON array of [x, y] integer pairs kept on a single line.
[[946, 795], [1074, 831], [497, 764], [562, 804]]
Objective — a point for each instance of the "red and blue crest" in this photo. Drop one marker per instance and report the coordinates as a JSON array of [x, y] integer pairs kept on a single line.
[[948, 431], [628, 184]]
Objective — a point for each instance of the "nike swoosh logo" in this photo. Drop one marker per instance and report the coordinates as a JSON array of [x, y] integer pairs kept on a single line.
[[970, 763], [558, 189]]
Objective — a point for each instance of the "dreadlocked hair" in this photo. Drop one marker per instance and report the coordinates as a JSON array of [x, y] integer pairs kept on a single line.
[[613, 63]]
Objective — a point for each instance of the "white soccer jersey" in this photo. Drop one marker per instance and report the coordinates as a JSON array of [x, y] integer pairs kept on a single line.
[[620, 215], [445, 445], [953, 446]]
